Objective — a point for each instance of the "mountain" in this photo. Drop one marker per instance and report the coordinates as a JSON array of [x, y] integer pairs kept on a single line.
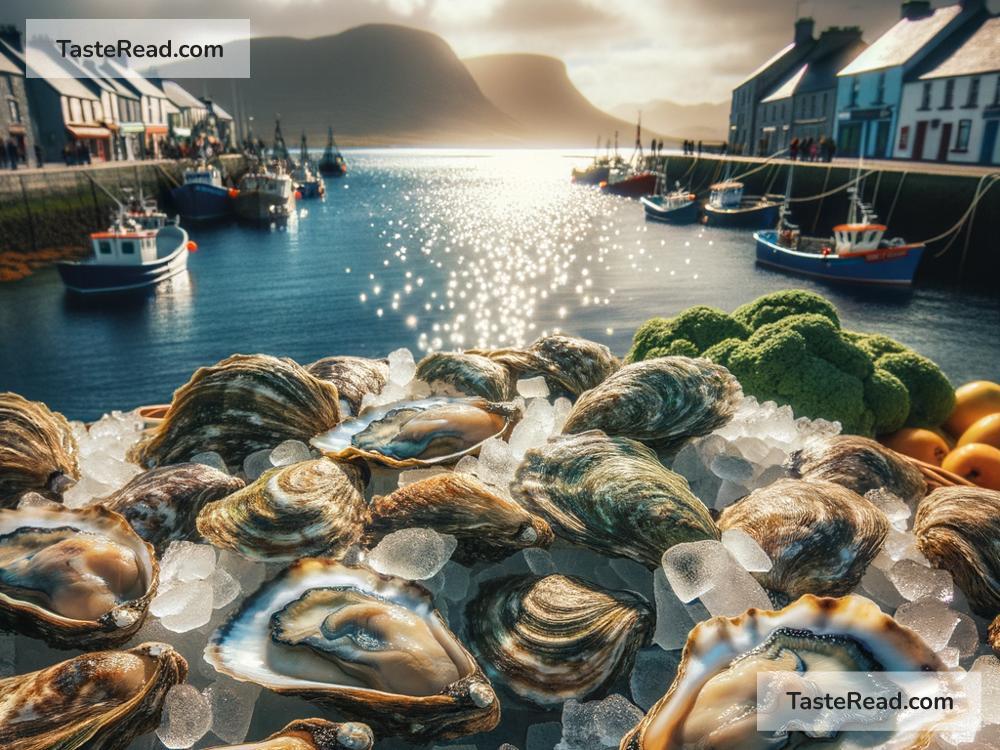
[[537, 93], [708, 122]]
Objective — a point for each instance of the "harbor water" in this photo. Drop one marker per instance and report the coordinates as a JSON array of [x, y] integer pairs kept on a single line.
[[431, 249]]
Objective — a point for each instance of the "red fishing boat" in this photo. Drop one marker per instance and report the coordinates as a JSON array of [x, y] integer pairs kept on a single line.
[[631, 179]]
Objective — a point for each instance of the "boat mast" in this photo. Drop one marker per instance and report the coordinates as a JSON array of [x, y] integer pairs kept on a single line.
[[279, 151], [303, 151]]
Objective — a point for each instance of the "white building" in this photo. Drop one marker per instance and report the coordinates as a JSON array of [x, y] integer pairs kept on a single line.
[[950, 109]]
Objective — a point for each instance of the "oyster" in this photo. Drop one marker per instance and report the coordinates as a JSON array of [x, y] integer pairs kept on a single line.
[[820, 536], [487, 526], [419, 433], [553, 638], [713, 699], [611, 494], [860, 464], [37, 450], [161, 504], [661, 402], [77, 578], [355, 377], [570, 365], [369, 645], [958, 529], [313, 734], [242, 404], [307, 508], [455, 374], [97, 701], [993, 635]]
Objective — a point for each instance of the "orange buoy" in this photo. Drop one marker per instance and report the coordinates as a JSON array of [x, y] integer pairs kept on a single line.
[[192, 246], [233, 192], [298, 195]]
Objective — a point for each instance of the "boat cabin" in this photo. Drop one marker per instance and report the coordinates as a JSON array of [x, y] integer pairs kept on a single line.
[[203, 176], [124, 246], [726, 194], [853, 238]]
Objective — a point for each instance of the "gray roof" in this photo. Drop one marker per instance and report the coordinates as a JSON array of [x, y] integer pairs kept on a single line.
[[9, 63], [56, 74], [787, 88], [143, 85], [979, 54], [219, 112], [900, 43], [179, 96]]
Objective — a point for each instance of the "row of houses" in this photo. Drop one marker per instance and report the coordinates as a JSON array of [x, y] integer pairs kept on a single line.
[[105, 112], [927, 89]]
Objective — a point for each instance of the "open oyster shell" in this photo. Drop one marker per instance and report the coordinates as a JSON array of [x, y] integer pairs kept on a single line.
[[307, 508], [661, 402], [611, 494], [456, 374], [369, 645], [419, 433], [313, 734], [958, 529], [820, 536], [487, 526], [556, 637], [97, 701], [712, 701], [354, 377], [242, 404], [162, 504], [37, 450], [75, 578]]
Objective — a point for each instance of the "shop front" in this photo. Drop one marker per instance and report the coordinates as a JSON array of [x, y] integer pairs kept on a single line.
[[97, 140]]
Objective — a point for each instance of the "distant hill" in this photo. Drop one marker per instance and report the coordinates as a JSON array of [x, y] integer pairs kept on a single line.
[[536, 92], [709, 122]]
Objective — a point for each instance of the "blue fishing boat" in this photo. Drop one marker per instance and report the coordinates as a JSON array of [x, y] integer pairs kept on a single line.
[[332, 164], [727, 206], [679, 206], [307, 181], [203, 197]]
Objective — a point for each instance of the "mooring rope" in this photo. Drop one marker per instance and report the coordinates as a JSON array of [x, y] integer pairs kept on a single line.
[[899, 188], [982, 188], [832, 191]]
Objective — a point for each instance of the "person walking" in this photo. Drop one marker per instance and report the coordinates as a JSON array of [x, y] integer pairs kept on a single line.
[[39, 156], [699, 148], [813, 150], [793, 149]]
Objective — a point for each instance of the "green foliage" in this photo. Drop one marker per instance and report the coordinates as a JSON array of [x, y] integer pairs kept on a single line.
[[931, 395], [688, 334], [778, 305]]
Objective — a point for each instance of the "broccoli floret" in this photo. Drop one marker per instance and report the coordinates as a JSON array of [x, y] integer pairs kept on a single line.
[[876, 344], [932, 397], [773, 307], [888, 399], [688, 334]]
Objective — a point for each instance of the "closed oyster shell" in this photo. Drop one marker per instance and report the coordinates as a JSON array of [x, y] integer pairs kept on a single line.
[[713, 699], [313, 734], [97, 701], [354, 377], [456, 374], [662, 402], [486, 525], [162, 504], [820, 536], [569, 365], [37, 450], [330, 632], [860, 464], [611, 494], [556, 637], [307, 508], [242, 404], [75, 578], [958, 529]]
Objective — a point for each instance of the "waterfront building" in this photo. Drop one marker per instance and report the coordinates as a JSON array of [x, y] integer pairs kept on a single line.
[[154, 106], [870, 88], [15, 114], [223, 123], [189, 110], [950, 110]]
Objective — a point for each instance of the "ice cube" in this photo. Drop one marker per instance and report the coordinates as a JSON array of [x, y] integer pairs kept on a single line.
[[210, 458], [415, 554], [653, 672], [256, 464], [249, 573], [746, 550], [901, 545], [225, 588], [533, 387], [634, 577], [965, 637], [290, 452], [673, 623], [232, 703], [187, 561], [728, 493], [914, 581], [186, 717], [734, 468], [184, 606], [543, 736], [497, 464], [614, 717], [892, 505], [534, 428], [753, 449], [561, 408], [540, 561], [693, 568], [456, 582], [988, 667], [734, 593], [932, 620], [876, 584], [402, 368]]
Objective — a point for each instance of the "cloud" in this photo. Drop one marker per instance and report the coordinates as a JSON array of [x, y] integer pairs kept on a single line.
[[560, 15]]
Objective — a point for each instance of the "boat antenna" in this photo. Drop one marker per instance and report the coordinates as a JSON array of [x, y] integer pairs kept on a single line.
[[616, 145], [112, 196]]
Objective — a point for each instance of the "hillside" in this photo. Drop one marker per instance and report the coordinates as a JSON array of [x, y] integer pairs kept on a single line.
[[709, 122]]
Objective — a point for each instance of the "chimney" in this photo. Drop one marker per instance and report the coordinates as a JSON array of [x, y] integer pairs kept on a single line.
[[12, 36], [803, 30], [914, 10]]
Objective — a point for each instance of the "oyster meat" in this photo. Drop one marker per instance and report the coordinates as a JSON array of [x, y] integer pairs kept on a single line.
[[76, 578], [242, 404], [713, 699], [355, 378], [97, 701], [37, 450], [662, 402], [369, 645], [313, 734], [611, 494], [307, 508], [419, 433], [487, 526], [553, 638], [820, 536], [958, 529], [162, 504], [456, 374]]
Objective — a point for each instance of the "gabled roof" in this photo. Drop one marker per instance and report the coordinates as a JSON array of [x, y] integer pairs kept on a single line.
[[56, 74], [900, 43], [776, 58], [142, 85], [788, 86], [8, 63], [180, 97], [980, 53], [219, 112]]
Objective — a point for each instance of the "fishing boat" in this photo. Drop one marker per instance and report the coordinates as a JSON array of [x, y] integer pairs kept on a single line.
[[265, 194], [857, 253], [629, 179], [307, 181], [202, 196], [599, 169], [678, 206], [727, 206], [128, 257], [332, 163], [145, 212]]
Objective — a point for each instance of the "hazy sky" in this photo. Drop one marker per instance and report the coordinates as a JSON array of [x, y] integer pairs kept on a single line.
[[623, 51]]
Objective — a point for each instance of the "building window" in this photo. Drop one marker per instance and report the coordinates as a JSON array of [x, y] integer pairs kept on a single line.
[[15, 111], [949, 94], [973, 99], [880, 89], [962, 137], [824, 103], [855, 91], [10, 85], [74, 110], [996, 94], [904, 137], [925, 96]]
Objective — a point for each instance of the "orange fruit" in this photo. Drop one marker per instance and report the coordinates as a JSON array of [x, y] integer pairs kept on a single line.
[[984, 430], [973, 401], [915, 442], [977, 462]]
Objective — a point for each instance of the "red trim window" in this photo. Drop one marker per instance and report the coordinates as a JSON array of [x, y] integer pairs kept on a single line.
[[904, 137]]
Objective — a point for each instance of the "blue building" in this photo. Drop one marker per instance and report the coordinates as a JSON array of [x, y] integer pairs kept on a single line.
[[870, 89]]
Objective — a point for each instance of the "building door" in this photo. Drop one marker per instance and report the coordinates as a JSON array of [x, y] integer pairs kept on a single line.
[[989, 141], [918, 139], [945, 142], [881, 139], [850, 139]]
